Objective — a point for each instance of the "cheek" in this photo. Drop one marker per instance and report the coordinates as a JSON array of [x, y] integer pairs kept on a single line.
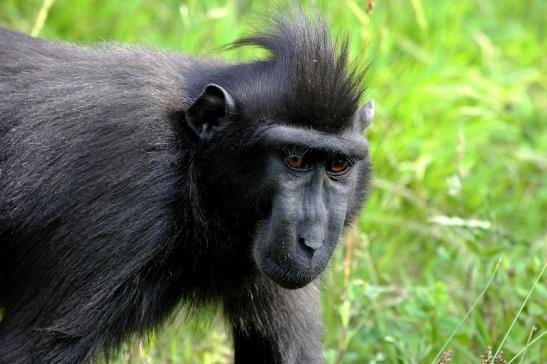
[[337, 203], [338, 208], [277, 231], [359, 191], [334, 228]]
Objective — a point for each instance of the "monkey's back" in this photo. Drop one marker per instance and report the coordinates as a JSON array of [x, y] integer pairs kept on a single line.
[[87, 150]]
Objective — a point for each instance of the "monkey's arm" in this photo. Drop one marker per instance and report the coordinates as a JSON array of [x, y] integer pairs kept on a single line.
[[274, 325]]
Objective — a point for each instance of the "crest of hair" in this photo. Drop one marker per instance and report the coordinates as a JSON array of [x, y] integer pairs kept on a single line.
[[310, 67]]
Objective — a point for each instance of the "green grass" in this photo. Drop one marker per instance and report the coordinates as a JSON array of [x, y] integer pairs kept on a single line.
[[460, 152]]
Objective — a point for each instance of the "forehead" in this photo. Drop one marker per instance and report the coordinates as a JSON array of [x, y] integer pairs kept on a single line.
[[270, 95], [347, 143]]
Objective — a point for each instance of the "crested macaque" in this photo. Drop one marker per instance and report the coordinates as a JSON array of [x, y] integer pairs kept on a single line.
[[136, 181]]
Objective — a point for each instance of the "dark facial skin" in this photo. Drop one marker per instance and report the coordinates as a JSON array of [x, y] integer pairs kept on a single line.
[[312, 174]]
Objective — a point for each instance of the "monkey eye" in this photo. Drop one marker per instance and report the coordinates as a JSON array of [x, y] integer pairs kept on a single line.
[[294, 161], [338, 166]]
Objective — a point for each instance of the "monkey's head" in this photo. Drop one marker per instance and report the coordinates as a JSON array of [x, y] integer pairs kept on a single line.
[[282, 148]]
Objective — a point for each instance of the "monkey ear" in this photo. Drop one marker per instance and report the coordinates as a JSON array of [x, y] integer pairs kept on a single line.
[[365, 114], [209, 111]]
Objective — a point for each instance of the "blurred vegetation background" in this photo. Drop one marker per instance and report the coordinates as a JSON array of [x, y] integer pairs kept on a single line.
[[459, 144]]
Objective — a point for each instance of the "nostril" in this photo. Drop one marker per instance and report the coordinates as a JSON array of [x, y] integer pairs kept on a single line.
[[304, 250], [302, 243], [309, 245]]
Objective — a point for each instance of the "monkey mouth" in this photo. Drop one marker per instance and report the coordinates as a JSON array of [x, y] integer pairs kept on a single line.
[[286, 277]]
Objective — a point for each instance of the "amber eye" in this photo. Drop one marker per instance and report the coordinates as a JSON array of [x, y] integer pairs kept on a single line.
[[294, 161], [338, 166]]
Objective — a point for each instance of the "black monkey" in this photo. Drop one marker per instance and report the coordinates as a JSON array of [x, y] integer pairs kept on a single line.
[[132, 181]]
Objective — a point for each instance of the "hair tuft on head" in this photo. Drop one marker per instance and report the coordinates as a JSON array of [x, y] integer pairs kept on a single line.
[[310, 68]]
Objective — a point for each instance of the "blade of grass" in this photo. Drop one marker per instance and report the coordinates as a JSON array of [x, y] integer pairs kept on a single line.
[[519, 312], [525, 348], [468, 311], [41, 18], [530, 336]]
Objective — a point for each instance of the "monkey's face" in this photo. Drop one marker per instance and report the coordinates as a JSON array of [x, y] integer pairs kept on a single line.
[[313, 178], [298, 186]]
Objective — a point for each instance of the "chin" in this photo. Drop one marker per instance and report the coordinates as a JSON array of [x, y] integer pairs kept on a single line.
[[286, 277]]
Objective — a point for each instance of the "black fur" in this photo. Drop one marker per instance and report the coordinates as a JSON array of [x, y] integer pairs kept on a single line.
[[126, 189]]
